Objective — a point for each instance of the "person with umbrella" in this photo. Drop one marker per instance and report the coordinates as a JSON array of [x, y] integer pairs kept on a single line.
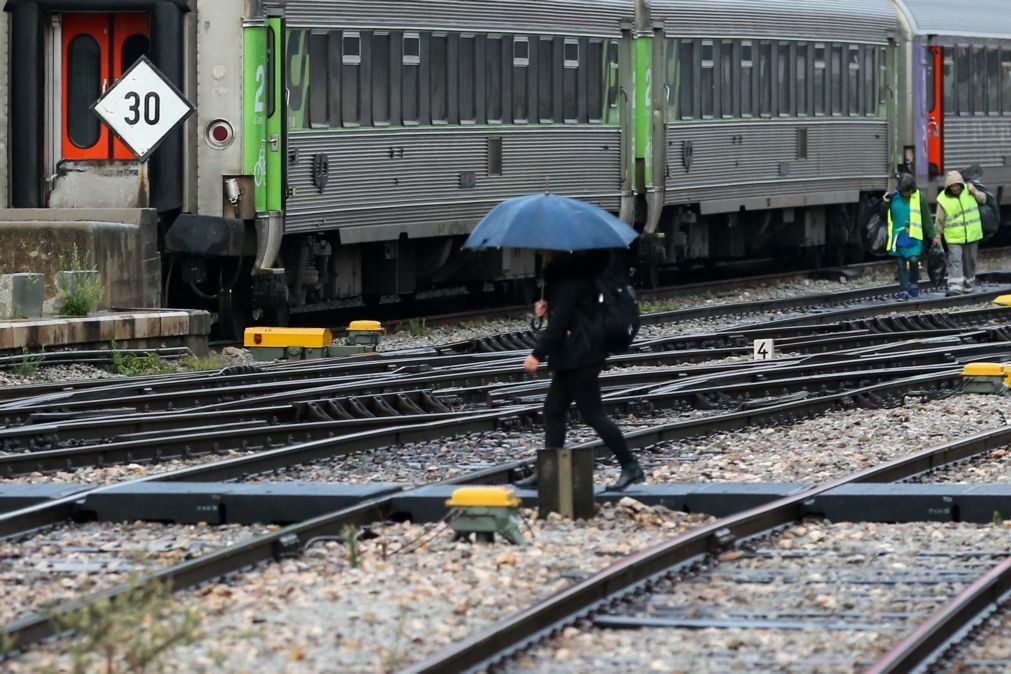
[[573, 237]]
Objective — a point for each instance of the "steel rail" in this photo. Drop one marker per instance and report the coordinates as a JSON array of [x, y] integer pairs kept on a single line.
[[947, 626], [489, 646], [290, 541], [260, 436]]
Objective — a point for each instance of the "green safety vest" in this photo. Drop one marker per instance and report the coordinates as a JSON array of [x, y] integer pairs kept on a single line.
[[961, 222], [915, 221]]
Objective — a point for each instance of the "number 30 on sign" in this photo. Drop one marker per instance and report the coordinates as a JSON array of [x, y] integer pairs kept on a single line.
[[142, 107], [764, 349]]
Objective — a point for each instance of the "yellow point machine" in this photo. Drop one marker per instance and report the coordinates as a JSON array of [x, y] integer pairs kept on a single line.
[[271, 343]]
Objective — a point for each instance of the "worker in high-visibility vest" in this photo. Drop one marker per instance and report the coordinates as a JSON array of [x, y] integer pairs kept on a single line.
[[958, 222], [905, 211]]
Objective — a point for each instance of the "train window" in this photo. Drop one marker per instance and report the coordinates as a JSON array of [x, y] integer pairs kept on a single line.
[[963, 75], [707, 79], [271, 94], [439, 79], [765, 79], [853, 88], [979, 80], [571, 89], [882, 76], [493, 78], [84, 86], [380, 66], [785, 83], [351, 49], [468, 77], [948, 79], [836, 90], [993, 85], [870, 100], [747, 83], [411, 55], [546, 79], [595, 81], [686, 79], [521, 51], [802, 80], [819, 79], [1006, 79], [521, 80], [727, 61], [350, 79], [133, 48], [410, 87], [612, 74], [318, 81], [571, 53]]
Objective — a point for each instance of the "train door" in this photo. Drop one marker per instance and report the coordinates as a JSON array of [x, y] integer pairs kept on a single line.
[[935, 111], [87, 164]]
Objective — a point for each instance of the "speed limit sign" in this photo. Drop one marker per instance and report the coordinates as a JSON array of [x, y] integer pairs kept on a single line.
[[142, 107]]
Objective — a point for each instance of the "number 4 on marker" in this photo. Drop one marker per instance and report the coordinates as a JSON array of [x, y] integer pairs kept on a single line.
[[764, 349]]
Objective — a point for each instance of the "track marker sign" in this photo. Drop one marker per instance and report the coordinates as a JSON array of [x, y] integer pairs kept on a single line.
[[142, 107], [764, 349]]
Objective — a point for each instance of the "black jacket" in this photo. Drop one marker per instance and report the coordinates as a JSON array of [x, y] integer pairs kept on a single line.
[[570, 341]]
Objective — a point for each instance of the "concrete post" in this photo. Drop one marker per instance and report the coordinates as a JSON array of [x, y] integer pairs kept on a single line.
[[565, 483]]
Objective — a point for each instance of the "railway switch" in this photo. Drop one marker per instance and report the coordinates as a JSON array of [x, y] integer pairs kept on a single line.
[[273, 343], [486, 511], [987, 378]]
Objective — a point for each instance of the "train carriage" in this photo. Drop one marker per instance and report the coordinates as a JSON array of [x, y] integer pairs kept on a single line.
[[956, 79], [405, 125], [344, 148], [771, 123]]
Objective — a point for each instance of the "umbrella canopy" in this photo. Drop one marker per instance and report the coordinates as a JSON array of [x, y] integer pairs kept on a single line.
[[550, 222]]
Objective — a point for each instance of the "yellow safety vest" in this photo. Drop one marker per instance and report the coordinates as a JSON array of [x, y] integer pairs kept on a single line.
[[961, 221], [915, 221]]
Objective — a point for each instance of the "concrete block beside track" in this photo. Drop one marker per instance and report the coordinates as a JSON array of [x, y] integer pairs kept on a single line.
[[17, 496], [21, 295], [226, 503]]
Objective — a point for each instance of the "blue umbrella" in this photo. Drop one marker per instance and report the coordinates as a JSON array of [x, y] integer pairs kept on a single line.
[[549, 222]]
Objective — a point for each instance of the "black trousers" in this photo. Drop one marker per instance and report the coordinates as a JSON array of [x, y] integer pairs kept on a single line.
[[582, 386]]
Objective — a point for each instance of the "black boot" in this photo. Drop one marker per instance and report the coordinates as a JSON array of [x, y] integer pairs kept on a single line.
[[630, 474], [527, 482]]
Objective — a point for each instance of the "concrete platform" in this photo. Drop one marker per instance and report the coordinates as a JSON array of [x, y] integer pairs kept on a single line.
[[136, 328]]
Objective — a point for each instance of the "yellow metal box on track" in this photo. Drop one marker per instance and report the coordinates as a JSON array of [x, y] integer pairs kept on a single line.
[[282, 338], [487, 497]]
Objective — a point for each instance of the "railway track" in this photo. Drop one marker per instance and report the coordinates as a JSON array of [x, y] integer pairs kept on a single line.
[[279, 417]]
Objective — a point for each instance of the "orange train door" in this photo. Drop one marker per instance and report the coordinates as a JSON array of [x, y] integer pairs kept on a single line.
[[935, 111], [97, 48]]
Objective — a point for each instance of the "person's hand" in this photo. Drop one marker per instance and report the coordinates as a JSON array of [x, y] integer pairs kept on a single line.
[[540, 308], [887, 197], [531, 363], [971, 188]]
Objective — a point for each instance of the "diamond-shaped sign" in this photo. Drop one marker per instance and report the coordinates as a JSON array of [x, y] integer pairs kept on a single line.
[[142, 107]]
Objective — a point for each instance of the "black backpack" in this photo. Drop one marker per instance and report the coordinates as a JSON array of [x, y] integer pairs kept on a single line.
[[618, 312]]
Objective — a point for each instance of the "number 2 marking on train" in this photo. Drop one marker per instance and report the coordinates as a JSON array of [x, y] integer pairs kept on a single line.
[[261, 80]]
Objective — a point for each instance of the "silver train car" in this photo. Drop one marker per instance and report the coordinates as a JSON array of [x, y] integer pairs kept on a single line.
[[344, 148]]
